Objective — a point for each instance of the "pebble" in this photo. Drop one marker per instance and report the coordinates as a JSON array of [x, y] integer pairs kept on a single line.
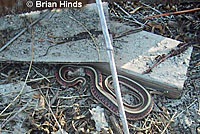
[[198, 130]]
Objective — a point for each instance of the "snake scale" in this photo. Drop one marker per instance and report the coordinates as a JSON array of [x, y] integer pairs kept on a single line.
[[102, 90]]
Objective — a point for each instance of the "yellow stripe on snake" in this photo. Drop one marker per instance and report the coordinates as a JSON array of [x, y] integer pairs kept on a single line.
[[102, 90]]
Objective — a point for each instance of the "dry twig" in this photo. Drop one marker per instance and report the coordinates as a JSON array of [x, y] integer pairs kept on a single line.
[[128, 15], [16, 113], [168, 123], [199, 106], [115, 125], [21, 91], [49, 107], [38, 79], [24, 30], [41, 75], [173, 13], [151, 8], [179, 50], [186, 108], [94, 40]]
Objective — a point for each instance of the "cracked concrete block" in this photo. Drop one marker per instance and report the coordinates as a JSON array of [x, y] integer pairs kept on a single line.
[[62, 37], [138, 51]]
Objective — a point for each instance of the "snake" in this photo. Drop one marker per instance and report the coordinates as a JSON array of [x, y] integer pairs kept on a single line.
[[102, 90]]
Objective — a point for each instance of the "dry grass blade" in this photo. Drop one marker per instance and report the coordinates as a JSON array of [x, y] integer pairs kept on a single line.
[[169, 123], [21, 91], [38, 79], [199, 107], [186, 108], [49, 107], [94, 40], [21, 109], [41, 75], [115, 125], [25, 29], [135, 10]]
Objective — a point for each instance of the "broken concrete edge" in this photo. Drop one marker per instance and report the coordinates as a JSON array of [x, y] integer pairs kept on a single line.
[[166, 89]]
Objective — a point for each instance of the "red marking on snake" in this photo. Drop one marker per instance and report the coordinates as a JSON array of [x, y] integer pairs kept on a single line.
[[108, 100]]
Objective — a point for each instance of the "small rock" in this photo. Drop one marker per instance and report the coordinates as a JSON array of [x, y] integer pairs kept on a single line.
[[188, 121], [99, 117], [198, 130]]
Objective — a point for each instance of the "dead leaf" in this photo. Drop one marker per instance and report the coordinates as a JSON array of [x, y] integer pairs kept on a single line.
[[62, 121], [157, 26], [41, 104], [36, 95]]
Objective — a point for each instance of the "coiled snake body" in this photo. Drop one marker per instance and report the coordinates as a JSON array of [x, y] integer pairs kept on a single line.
[[103, 91]]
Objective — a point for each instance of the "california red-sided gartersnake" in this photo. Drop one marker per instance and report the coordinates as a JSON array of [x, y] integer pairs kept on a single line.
[[103, 92]]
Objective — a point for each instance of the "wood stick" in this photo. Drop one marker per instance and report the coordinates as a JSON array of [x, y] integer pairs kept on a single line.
[[170, 54], [168, 123], [173, 13]]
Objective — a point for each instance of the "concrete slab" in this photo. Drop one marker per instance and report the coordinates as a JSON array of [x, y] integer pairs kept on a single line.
[[134, 53], [69, 26], [138, 52]]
